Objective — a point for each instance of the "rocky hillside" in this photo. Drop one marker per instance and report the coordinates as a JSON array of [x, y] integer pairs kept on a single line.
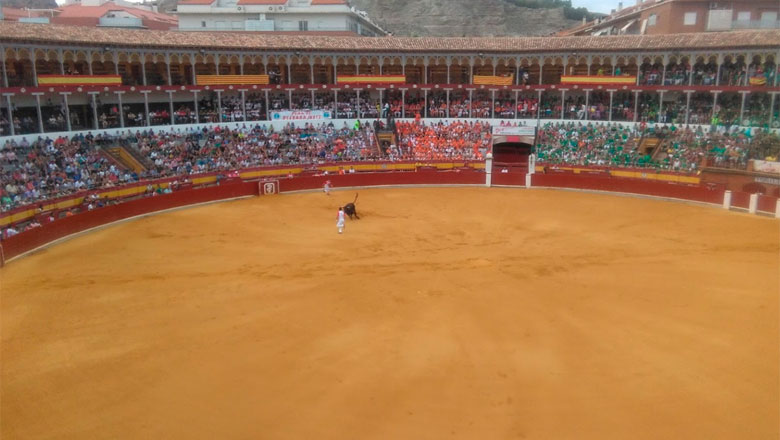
[[456, 18]]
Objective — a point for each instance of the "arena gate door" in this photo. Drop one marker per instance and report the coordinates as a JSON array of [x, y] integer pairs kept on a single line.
[[512, 146]]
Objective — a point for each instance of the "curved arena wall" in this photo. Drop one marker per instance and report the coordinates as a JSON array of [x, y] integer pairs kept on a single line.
[[27, 241]]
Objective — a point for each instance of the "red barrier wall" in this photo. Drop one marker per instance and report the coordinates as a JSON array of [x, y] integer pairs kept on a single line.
[[465, 177], [29, 240], [633, 186], [767, 203], [740, 200]]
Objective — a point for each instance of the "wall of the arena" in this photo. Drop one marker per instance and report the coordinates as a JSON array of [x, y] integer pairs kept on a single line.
[[465, 175]]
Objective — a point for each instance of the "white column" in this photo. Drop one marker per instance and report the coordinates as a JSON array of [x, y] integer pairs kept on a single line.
[[94, 111], [38, 109], [531, 164], [563, 104], [493, 104], [636, 106], [267, 106], [146, 108], [195, 100], [243, 103], [753, 207], [170, 107], [528, 181], [219, 106], [489, 170], [742, 108], [777, 209], [67, 111], [35, 74], [687, 107], [10, 114], [357, 112], [5, 71], [121, 110], [727, 200], [425, 109]]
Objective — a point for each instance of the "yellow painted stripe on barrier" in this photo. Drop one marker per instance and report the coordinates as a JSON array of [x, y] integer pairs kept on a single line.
[[260, 173], [213, 80], [202, 180]]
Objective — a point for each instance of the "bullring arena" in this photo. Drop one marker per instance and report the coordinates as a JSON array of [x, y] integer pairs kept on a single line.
[[443, 312], [521, 268]]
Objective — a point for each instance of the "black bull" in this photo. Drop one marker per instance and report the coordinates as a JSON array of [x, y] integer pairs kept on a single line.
[[350, 210]]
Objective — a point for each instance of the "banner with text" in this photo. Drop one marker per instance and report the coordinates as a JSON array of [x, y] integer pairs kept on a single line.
[[300, 115], [765, 166], [513, 131]]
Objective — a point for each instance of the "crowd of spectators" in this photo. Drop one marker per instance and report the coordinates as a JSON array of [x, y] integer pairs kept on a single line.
[[31, 172], [47, 168], [461, 140], [614, 145]]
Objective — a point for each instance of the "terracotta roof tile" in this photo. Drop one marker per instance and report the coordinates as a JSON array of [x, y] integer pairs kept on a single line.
[[11, 32]]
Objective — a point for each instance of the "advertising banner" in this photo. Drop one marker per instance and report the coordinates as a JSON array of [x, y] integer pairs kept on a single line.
[[300, 115]]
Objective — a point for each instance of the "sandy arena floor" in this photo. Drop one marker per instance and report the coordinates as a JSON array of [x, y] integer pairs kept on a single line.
[[443, 313]]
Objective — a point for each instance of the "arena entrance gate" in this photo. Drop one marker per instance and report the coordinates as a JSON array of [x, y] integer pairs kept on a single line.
[[512, 147]]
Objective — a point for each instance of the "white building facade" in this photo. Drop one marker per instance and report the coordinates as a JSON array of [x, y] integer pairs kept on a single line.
[[275, 16]]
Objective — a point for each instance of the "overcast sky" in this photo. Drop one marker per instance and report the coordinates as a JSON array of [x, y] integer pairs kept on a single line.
[[603, 6]]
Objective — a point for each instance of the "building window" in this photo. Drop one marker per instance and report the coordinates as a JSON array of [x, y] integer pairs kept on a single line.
[[690, 19], [743, 16], [202, 24], [303, 25], [651, 20]]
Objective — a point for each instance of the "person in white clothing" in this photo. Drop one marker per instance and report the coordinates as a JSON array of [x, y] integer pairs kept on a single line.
[[340, 220], [326, 187]]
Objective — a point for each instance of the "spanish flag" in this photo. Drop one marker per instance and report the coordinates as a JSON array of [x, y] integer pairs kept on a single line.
[[485, 80], [758, 81]]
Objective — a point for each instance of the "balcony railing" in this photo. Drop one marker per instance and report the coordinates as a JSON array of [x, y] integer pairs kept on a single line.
[[755, 24]]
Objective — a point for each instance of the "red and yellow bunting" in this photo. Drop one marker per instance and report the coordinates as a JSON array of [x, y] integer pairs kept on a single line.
[[79, 80], [758, 81], [371, 79], [485, 80], [598, 80], [240, 80]]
